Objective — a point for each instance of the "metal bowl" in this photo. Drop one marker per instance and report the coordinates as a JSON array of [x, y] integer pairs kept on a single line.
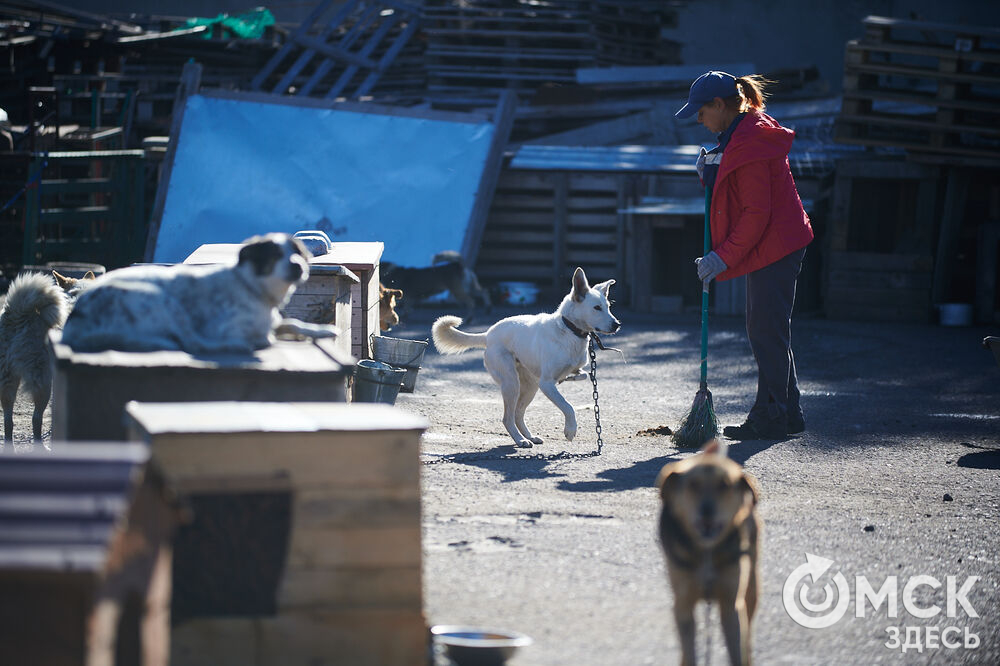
[[476, 646]]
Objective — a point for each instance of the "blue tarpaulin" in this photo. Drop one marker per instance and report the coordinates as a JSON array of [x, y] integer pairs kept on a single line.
[[246, 164]]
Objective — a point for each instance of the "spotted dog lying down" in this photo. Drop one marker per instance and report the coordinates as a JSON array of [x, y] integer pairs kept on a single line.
[[196, 309]]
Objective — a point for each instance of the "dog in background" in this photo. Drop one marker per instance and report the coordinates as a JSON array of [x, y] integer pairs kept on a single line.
[[447, 273], [709, 530], [387, 315], [196, 309], [34, 305], [470, 283], [525, 353], [73, 286]]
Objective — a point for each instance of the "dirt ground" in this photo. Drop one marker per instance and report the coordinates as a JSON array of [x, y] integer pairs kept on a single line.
[[896, 475]]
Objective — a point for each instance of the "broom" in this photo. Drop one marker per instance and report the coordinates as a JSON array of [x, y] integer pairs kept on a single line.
[[701, 424]]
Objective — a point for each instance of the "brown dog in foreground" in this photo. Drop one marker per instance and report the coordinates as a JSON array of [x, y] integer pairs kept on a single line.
[[709, 530]]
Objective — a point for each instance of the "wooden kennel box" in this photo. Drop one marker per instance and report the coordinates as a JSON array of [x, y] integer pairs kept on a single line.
[[327, 297], [336, 488], [89, 390], [85, 558], [363, 260]]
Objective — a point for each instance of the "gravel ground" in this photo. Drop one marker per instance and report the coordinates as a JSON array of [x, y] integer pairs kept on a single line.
[[896, 475]]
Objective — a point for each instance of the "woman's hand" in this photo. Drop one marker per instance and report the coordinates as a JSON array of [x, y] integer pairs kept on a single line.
[[709, 266]]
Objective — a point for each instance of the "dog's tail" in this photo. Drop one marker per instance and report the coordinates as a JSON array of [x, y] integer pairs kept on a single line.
[[35, 296], [448, 257], [450, 340]]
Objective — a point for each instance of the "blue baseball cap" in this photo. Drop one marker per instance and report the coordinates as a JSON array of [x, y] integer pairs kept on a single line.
[[705, 88]]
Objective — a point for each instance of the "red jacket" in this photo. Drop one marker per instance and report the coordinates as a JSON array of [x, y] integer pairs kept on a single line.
[[757, 217]]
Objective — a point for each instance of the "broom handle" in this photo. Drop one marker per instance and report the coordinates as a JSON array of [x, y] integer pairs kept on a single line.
[[704, 294]]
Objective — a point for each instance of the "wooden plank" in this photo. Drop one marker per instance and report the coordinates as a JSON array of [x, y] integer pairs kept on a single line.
[[503, 121], [854, 279], [882, 297], [900, 120], [521, 219], [592, 220], [559, 240], [354, 547], [355, 587], [897, 313], [363, 459], [987, 253], [930, 50], [494, 236], [333, 507], [333, 638], [956, 195], [878, 262], [888, 23]]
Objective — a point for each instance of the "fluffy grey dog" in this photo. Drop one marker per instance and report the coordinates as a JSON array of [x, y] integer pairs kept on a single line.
[[34, 305], [196, 309]]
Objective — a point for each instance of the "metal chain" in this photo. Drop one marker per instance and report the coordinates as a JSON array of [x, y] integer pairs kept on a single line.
[[548, 457], [593, 379]]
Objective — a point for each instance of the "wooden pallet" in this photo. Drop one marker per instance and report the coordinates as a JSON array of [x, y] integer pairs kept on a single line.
[[542, 225], [343, 54], [925, 87], [879, 287]]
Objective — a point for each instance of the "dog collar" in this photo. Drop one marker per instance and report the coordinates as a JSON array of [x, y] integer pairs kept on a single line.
[[576, 330]]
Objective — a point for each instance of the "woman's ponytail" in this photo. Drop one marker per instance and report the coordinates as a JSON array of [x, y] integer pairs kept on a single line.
[[752, 92]]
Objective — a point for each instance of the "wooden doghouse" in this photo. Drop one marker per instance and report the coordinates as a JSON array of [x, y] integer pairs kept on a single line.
[[363, 260], [85, 557], [325, 298], [304, 544], [90, 390]]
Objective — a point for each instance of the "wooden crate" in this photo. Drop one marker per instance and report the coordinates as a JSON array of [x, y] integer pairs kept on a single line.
[[363, 260], [85, 558], [923, 86], [90, 390], [879, 287], [542, 225], [350, 586], [325, 298]]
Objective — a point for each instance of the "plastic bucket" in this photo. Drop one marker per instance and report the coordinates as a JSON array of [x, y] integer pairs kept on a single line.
[[401, 353], [518, 293], [955, 314], [375, 381]]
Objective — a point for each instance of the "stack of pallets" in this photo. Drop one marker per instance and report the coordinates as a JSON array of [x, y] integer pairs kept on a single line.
[[927, 87], [477, 48]]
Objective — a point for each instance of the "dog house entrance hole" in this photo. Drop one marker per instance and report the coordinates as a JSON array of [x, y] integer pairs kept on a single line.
[[229, 559]]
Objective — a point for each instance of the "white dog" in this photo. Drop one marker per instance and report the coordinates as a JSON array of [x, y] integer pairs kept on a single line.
[[525, 353], [196, 309]]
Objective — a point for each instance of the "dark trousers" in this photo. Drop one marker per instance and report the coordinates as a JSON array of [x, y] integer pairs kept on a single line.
[[770, 297]]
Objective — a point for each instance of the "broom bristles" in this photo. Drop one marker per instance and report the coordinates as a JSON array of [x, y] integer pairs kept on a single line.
[[700, 425]]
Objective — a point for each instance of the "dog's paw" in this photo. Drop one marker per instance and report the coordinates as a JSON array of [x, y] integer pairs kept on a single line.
[[570, 431], [524, 443], [325, 332]]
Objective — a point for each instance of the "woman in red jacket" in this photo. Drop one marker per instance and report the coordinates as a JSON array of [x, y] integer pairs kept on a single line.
[[759, 229]]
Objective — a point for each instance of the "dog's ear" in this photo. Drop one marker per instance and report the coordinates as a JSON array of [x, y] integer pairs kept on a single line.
[[89, 275], [580, 285], [717, 447], [666, 479], [398, 293], [604, 287], [299, 247], [62, 280], [261, 253], [750, 487]]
